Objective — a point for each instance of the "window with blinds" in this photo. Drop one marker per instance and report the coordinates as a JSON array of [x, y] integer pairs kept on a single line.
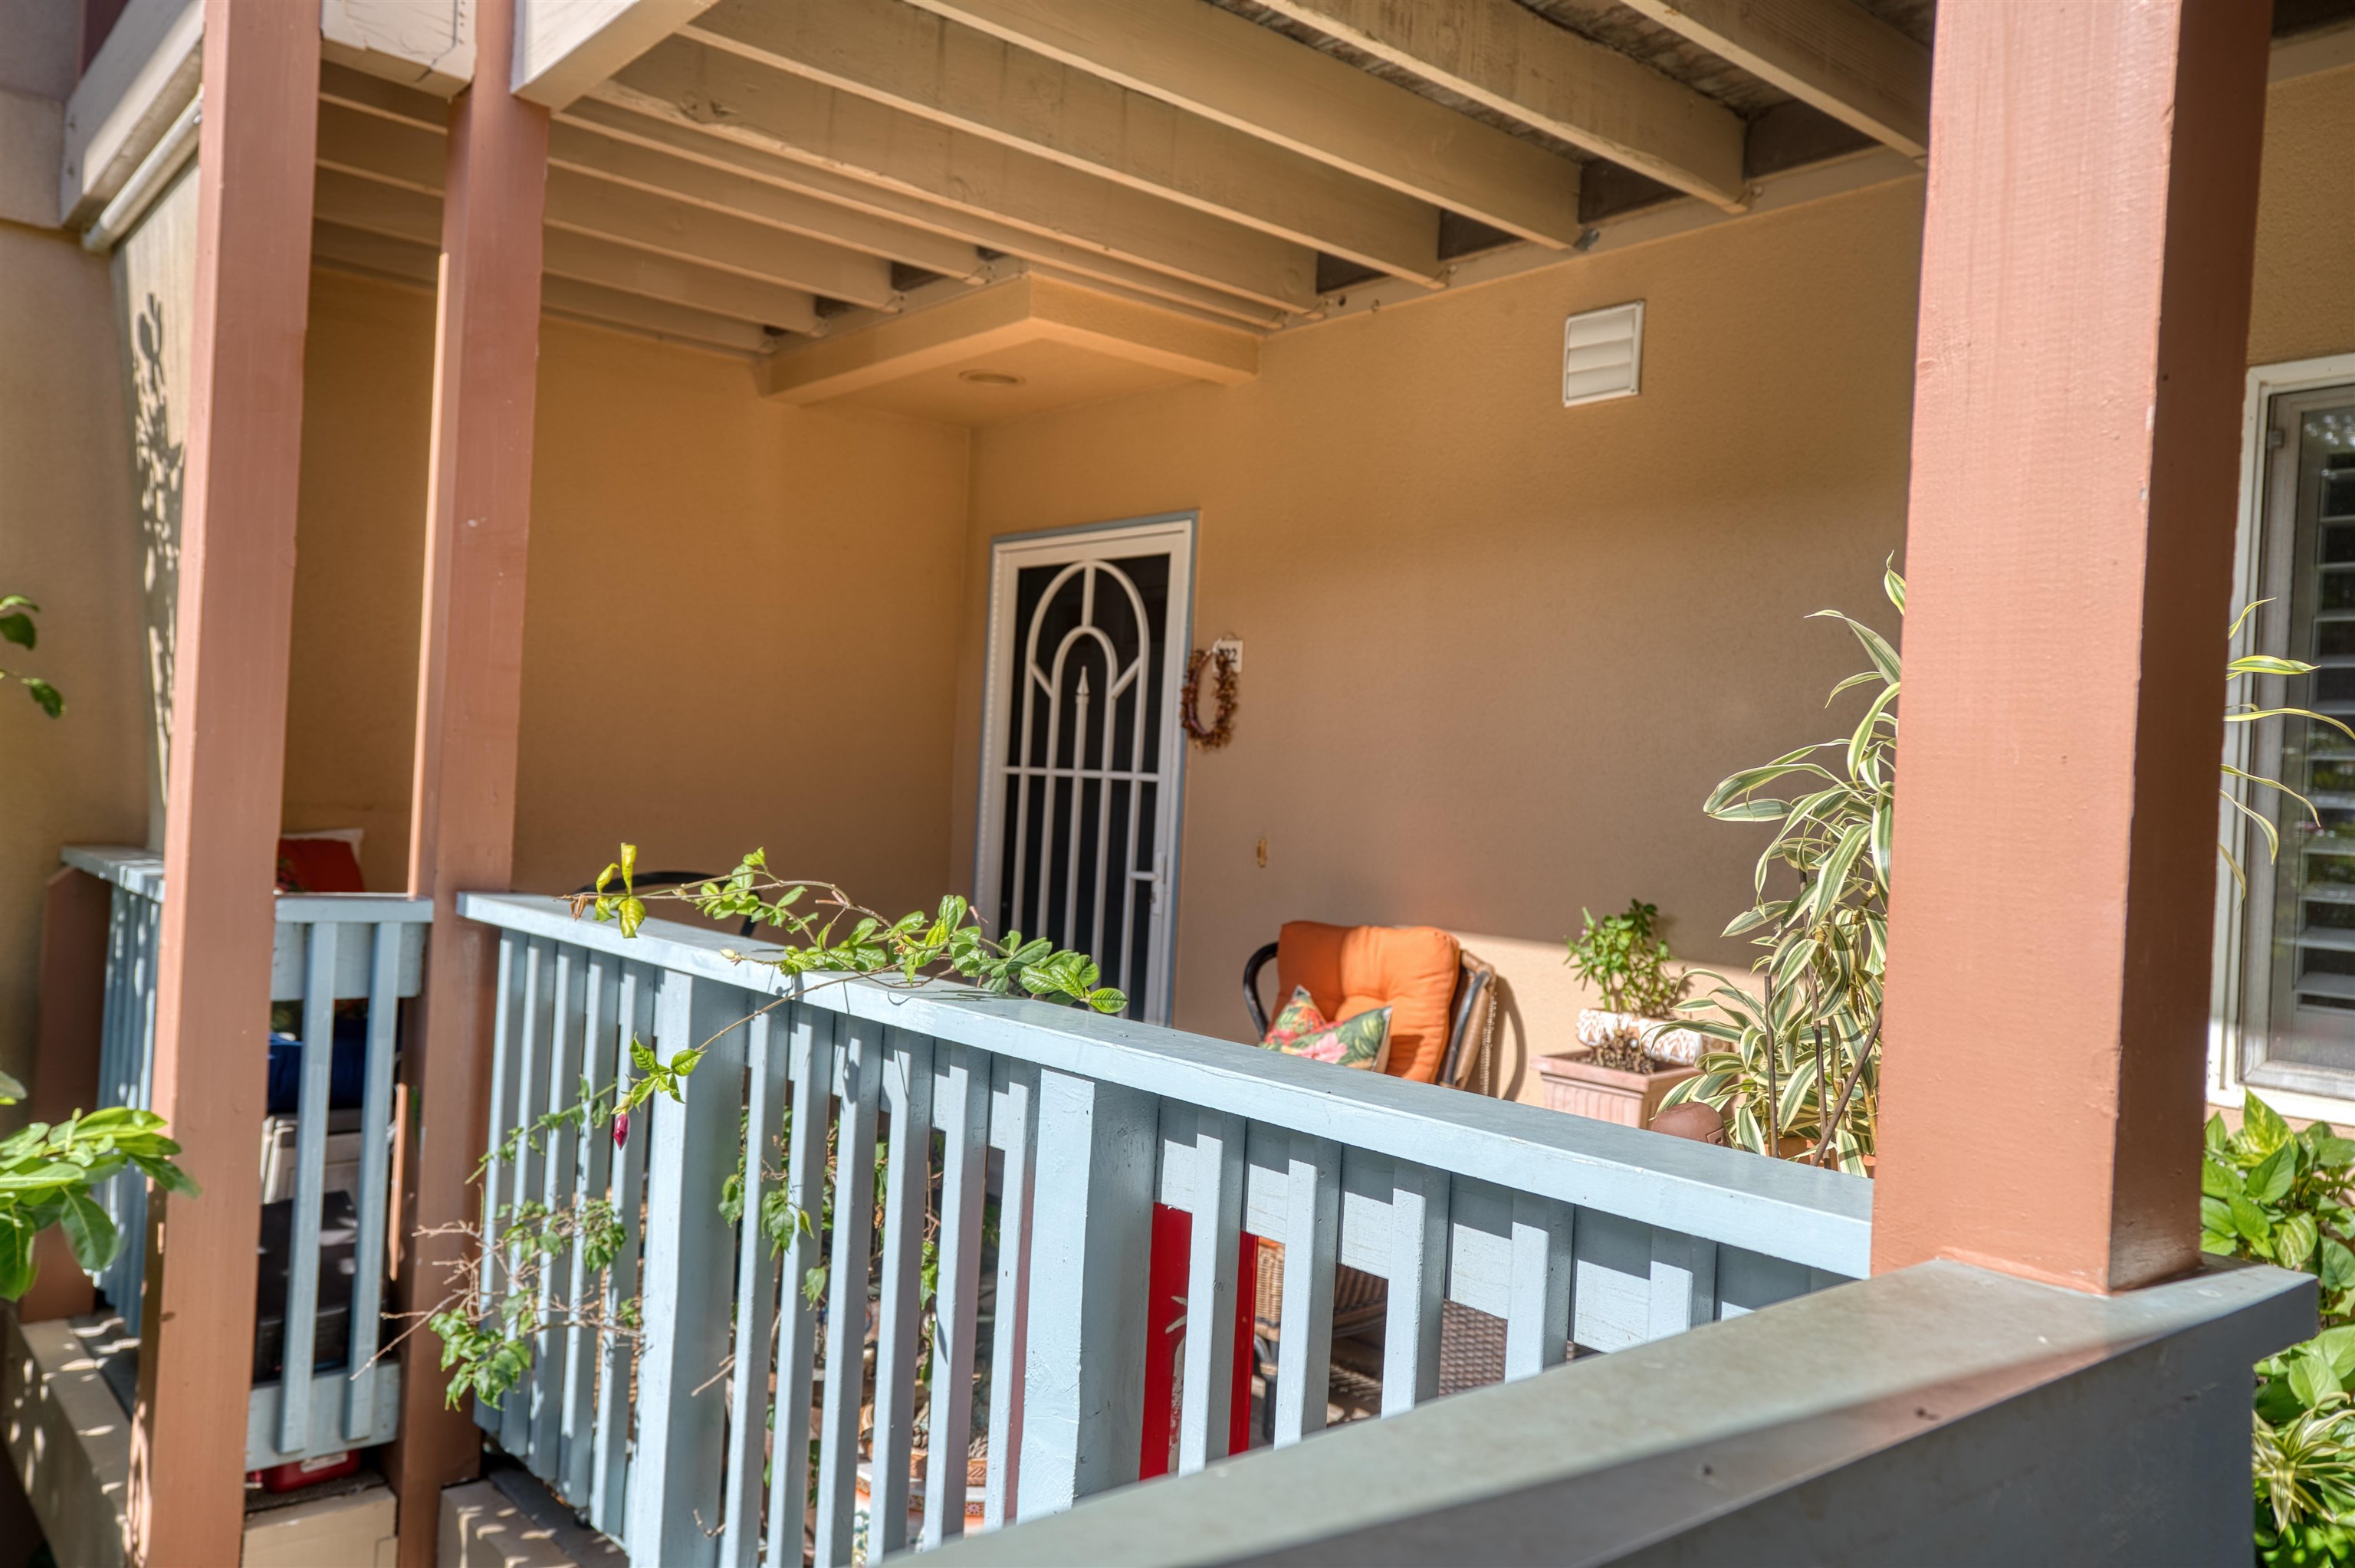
[[2302, 952]]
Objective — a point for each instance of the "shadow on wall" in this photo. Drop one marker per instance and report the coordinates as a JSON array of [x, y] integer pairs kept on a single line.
[[159, 465]]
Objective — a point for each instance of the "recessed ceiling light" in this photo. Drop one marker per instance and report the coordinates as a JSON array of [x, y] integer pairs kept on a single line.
[[989, 378]]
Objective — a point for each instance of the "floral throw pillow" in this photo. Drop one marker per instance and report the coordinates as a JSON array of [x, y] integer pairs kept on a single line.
[[1303, 1030]]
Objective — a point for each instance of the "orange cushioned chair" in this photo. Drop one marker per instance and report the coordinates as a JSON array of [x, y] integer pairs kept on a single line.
[[1437, 993]]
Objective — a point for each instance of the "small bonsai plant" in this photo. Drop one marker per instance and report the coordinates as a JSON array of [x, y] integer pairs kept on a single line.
[[1624, 958]]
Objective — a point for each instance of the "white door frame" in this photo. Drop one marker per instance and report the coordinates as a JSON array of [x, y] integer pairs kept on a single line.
[[1008, 554], [2229, 971]]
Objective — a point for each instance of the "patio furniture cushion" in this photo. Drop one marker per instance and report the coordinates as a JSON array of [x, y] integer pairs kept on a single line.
[[314, 862], [1302, 1030], [1350, 969]]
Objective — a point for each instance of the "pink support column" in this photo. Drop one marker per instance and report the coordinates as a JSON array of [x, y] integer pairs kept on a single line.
[[2084, 323], [229, 742], [469, 696]]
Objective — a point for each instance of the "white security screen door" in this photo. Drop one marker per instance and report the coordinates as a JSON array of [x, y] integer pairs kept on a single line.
[[1081, 758]]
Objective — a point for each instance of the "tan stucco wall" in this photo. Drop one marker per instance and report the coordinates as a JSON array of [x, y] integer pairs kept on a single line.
[[1497, 651], [67, 541], [740, 617], [2303, 300]]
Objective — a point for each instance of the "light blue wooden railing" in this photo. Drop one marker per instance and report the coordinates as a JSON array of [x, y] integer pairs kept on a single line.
[[1569, 1230], [329, 948]]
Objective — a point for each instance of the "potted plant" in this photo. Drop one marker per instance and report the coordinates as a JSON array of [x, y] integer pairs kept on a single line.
[[1631, 1052]]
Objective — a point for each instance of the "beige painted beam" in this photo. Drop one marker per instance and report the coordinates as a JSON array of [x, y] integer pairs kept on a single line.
[[1833, 54], [357, 202], [373, 95], [411, 155], [137, 84], [696, 145], [944, 72], [1513, 61], [664, 226], [564, 47], [343, 197], [357, 250], [423, 44], [589, 260], [735, 99], [581, 150], [1224, 68], [406, 155], [1021, 310]]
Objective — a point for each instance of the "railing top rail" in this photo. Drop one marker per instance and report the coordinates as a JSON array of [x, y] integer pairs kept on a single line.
[[141, 872], [1822, 1219]]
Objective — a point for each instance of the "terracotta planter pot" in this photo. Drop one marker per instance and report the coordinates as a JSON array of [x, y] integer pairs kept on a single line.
[[1574, 1083]]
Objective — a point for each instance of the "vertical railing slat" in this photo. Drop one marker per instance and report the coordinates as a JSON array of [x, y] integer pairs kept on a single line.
[[810, 1068], [676, 1463], [498, 1170], [609, 1492], [1537, 1324], [907, 1180], [1417, 1285], [593, 1176], [1311, 1247], [861, 1053], [360, 1391], [1212, 1281], [1684, 1283], [114, 1088], [756, 1295], [515, 1429], [301, 1300], [1082, 1382], [961, 1107], [1014, 1129], [552, 1344]]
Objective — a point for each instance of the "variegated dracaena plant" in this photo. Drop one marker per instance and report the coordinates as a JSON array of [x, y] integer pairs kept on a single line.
[[1795, 1067]]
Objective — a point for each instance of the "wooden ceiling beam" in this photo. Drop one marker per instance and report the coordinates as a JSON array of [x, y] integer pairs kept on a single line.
[[372, 95], [1218, 65], [1833, 54], [580, 150], [358, 250], [409, 152], [728, 98], [657, 130], [948, 73], [564, 47], [644, 220], [355, 201], [663, 226], [1515, 62]]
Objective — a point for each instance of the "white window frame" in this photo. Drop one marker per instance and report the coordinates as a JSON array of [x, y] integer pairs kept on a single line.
[[2228, 974]]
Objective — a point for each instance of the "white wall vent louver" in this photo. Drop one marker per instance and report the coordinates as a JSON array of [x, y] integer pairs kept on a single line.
[[1603, 355]]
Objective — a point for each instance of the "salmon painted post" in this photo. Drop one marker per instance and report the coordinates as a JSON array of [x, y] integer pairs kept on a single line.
[[470, 697], [235, 614], [2086, 279]]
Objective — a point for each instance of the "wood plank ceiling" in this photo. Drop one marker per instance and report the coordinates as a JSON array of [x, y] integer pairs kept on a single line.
[[771, 172]]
